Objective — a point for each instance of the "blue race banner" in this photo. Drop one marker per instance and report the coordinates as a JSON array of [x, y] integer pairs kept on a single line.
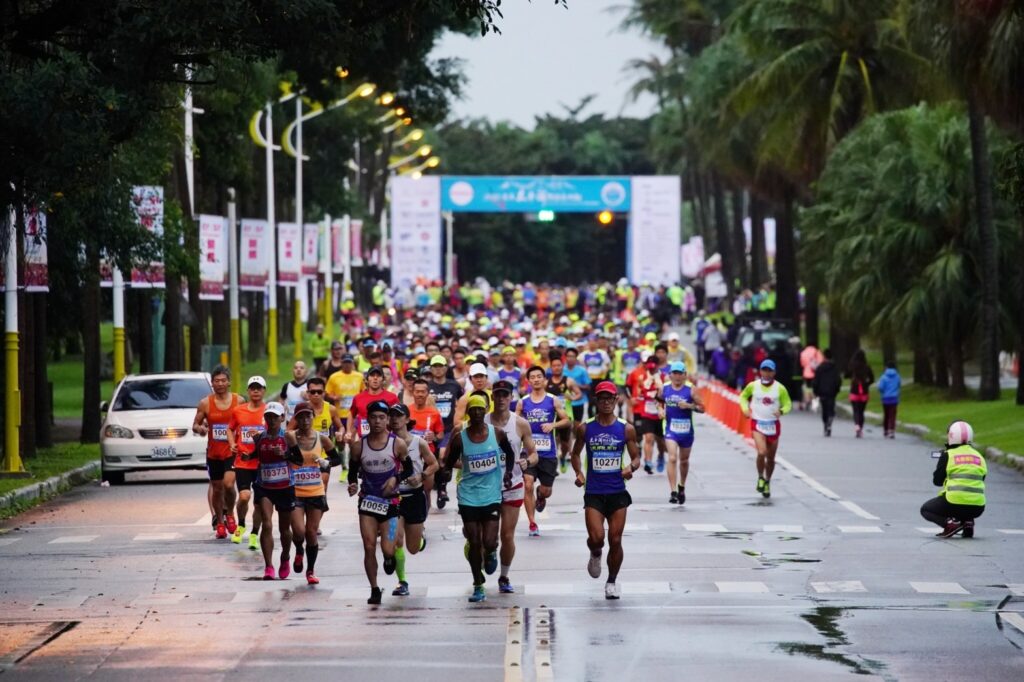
[[528, 194]]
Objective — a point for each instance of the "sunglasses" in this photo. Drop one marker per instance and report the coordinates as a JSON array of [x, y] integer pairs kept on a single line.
[[315, 392]]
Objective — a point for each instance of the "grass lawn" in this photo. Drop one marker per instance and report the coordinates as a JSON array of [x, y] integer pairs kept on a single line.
[[52, 461]]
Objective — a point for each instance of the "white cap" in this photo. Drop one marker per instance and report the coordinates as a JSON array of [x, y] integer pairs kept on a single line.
[[674, 336], [256, 380], [493, 341], [959, 433], [476, 369], [274, 408]]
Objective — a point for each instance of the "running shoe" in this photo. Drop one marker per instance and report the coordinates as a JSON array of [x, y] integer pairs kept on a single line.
[[612, 591], [968, 529], [375, 595], [766, 491], [760, 484], [442, 499], [542, 503], [254, 542], [222, 532], [594, 565], [952, 528], [402, 590], [423, 542], [213, 522], [648, 468], [236, 535], [563, 465], [673, 497], [491, 563], [268, 573], [505, 585], [297, 564], [389, 564], [534, 531], [284, 570], [661, 462], [682, 495], [229, 522], [478, 594], [312, 579]]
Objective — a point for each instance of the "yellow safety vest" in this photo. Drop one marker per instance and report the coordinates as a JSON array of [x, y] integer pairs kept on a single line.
[[965, 477]]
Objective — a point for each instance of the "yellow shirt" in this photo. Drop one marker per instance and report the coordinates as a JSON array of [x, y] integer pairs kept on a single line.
[[344, 387]]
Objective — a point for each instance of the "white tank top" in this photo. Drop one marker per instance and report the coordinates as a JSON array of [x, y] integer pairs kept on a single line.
[[517, 445], [765, 401], [417, 462]]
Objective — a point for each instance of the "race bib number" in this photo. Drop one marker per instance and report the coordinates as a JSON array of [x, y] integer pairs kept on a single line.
[[274, 473], [374, 505], [364, 427], [682, 426], [445, 408], [767, 427], [606, 465], [249, 433], [650, 407], [307, 476], [482, 465], [346, 402], [219, 432], [542, 441]]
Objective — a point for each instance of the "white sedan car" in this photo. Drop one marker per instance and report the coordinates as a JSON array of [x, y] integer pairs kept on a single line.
[[148, 424]]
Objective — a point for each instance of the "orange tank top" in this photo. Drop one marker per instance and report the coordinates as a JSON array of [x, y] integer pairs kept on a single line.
[[307, 479], [217, 421], [247, 425]]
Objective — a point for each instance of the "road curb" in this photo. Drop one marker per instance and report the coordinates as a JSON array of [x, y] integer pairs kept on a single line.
[[51, 487], [1007, 459]]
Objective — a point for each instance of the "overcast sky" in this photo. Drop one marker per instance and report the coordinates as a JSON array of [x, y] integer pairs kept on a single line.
[[546, 56]]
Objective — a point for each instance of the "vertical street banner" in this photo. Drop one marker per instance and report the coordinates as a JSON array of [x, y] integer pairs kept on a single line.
[[289, 254], [310, 249], [654, 241], [337, 247], [254, 255], [213, 256], [416, 229], [356, 239], [37, 276], [148, 203]]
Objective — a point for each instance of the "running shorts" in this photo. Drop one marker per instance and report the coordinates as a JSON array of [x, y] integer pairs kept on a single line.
[[315, 502], [578, 412], [544, 471], [392, 512], [514, 496], [216, 468], [245, 479], [644, 425], [607, 504], [490, 512], [283, 499], [684, 440], [773, 427], [413, 507]]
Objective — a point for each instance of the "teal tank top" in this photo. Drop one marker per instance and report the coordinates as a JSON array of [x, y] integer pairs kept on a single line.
[[481, 480]]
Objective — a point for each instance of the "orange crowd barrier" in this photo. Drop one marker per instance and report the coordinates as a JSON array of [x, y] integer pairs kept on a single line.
[[722, 404]]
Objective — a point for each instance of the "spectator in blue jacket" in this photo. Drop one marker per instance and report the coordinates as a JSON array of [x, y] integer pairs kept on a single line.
[[889, 389]]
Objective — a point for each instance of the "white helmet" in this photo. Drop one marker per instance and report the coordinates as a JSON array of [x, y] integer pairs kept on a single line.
[[959, 433]]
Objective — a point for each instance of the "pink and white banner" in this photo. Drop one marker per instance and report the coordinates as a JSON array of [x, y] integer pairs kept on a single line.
[[37, 276], [289, 254], [254, 255], [337, 247], [356, 241], [213, 257], [310, 249], [148, 203]]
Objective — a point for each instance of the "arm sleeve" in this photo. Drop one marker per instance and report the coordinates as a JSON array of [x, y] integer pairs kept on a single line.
[[407, 469], [939, 476], [353, 471], [785, 403], [334, 457], [745, 395], [510, 457], [294, 455]]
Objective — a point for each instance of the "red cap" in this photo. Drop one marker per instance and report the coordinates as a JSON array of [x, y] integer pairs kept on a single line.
[[606, 387]]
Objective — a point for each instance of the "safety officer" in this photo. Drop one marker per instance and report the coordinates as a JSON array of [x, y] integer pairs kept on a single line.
[[961, 472]]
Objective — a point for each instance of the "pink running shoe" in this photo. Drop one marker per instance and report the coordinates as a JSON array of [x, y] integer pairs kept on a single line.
[[284, 571], [268, 573], [312, 579], [297, 564]]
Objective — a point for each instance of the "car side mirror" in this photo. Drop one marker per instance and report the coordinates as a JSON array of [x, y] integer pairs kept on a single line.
[[104, 406]]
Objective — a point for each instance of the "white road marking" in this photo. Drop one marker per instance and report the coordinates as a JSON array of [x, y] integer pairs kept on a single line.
[[705, 527], [839, 586], [770, 528], [1016, 589], [858, 510], [448, 591], [159, 599], [931, 530], [514, 646], [72, 540], [807, 479], [742, 587], [637, 526], [204, 520], [154, 537], [542, 650], [351, 592], [257, 597], [549, 588], [859, 529], [938, 588], [1013, 618], [63, 602], [1010, 531], [8, 541], [646, 588]]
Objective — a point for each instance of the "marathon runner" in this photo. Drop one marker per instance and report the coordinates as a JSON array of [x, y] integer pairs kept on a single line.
[[326, 421], [381, 461], [247, 423], [545, 414], [213, 415], [597, 363], [273, 487], [412, 510], [311, 455], [681, 401], [334, 363], [566, 390], [293, 392], [478, 381], [765, 401], [480, 446], [517, 430], [510, 371], [359, 426], [446, 392], [646, 413], [605, 498], [342, 387]]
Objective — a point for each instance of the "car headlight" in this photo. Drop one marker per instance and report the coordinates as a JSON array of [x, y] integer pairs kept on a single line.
[[116, 431]]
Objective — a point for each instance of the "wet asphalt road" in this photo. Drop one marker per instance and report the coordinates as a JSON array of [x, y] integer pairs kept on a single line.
[[835, 576]]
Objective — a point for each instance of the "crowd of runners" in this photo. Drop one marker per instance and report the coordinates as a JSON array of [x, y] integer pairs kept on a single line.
[[495, 402]]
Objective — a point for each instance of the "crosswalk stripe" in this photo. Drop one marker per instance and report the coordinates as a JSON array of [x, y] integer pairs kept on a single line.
[[839, 586], [938, 588], [1013, 618], [158, 599], [445, 591], [1016, 589], [350, 592], [705, 527], [549, 588], [931, 530], [741, 587], [858, 510], [72, 539], [782, 528], [1010, 531], [859, 529], [203, 521], [153, 537], [8, 541], [646, 588], [257, 597]]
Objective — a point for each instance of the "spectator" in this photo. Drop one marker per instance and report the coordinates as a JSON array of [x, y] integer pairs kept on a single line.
[[826, 385], [861, 378], [810, 358], [889, 390]]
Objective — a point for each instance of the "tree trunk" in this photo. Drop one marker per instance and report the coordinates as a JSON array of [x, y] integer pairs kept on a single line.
[[173, 356], [221, 322], [739, 240], [1020, 317], [144, 308], [91, 349], [922, 368], [957, 387], [812, 321], [722, 233], [988, 354], [43, 404], [785, 263], [255, 345], [758, 255], [888, 350], [842, 342], [941, 370]]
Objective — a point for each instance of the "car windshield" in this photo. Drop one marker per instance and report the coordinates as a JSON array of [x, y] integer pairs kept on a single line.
[[161, 394]]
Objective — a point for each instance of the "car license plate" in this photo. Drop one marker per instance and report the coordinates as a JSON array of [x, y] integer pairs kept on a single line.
[[164, 452]]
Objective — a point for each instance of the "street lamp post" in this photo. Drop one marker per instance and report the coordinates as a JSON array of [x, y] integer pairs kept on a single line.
[[12, 394], [297, 325], [236, 325]]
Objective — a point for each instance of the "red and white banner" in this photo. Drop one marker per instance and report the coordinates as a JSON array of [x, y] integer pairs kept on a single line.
[[310, 249], [356, 248], [337, 247], [37, 276], [289, 254], [254, 256], [148, 203], [213, 257]]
